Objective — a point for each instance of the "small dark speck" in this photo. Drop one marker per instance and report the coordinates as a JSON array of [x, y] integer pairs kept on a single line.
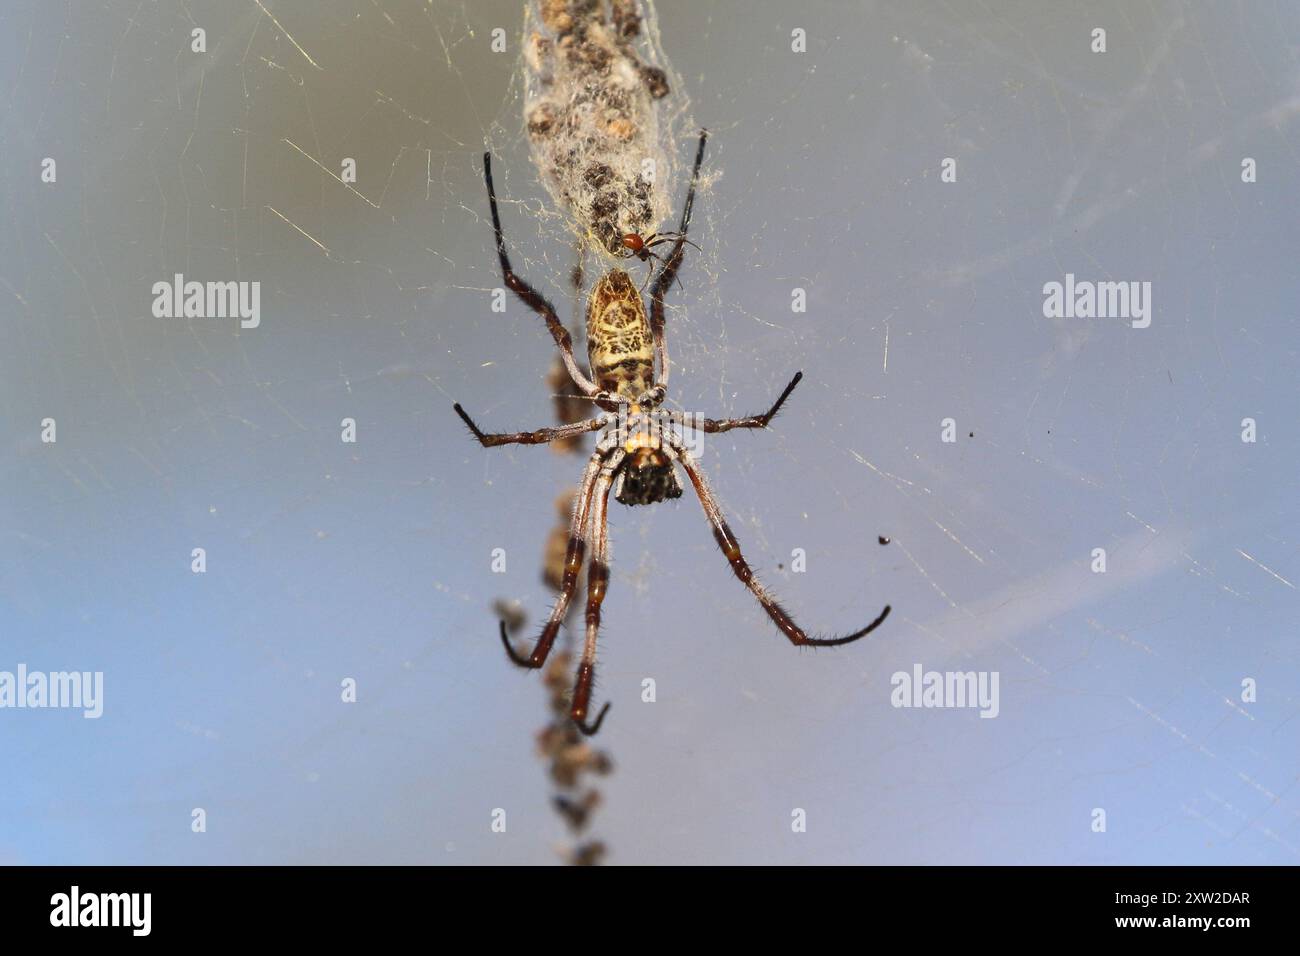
[[972, 434], [1171, 376], [780, 567], [882, 539]]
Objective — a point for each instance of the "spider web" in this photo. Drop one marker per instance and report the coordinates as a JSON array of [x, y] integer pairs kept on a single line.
[[373, 560]]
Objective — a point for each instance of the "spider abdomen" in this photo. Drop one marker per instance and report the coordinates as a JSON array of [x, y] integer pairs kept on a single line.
[[619, 343]]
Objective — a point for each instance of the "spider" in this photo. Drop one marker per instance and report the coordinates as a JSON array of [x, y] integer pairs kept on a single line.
[[636, 457], [637, 245], [634, 244]]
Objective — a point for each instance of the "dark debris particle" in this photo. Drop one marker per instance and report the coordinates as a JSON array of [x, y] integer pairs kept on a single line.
[[598, 175], [597, 57], [541, 120], [656, 81], [588, 854], [626, 19]]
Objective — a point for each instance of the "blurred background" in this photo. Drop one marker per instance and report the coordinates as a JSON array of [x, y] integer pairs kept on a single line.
[[1120, 691]]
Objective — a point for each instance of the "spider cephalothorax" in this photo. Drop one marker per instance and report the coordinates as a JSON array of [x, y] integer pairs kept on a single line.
[[640, 445]]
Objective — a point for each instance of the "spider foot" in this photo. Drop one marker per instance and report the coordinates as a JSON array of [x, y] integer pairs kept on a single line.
[[464, 416], [589, 730], [513, 654], [848, 638]]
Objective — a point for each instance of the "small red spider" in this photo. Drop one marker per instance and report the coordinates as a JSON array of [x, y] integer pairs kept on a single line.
[[640, 247]]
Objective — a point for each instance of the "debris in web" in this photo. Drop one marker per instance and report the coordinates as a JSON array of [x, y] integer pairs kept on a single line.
[[602, 143]]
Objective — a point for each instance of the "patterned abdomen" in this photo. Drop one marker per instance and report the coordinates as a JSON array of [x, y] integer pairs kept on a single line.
[[619, 345]]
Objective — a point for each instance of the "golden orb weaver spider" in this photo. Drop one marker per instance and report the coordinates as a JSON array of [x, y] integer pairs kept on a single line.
[[635, 457]]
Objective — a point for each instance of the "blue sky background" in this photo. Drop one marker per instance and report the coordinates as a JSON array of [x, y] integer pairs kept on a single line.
[[372, 561]]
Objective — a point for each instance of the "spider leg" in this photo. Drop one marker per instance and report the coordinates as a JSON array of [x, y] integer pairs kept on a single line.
[[669, 271], [731, 548], [572, 565], [661, 238], [591, 729], [712, 425], [530, 296], [646, 256], [576, 276], [539, 437], [597, 584]]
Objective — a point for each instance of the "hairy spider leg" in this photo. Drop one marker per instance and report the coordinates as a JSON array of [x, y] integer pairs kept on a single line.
[[572, 566], [597, 584], [530, 296], [715, 425], [541, 436], [669, 272], [731, 548]]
